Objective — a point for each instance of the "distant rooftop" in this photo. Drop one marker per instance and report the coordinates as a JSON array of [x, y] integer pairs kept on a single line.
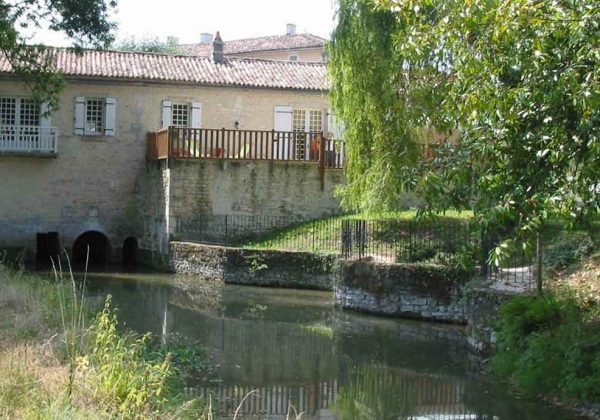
[[191, 69], [290, 41]]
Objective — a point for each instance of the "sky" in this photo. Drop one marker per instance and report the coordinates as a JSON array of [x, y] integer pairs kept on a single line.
[[235, 19]]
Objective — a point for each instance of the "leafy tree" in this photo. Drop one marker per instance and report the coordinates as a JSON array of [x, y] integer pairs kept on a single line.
[[517, 82], [86, 22], [153, 45]]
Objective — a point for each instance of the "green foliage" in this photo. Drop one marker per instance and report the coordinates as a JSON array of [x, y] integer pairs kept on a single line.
[[153, 45], [547, 346], [565, 247], [521, 80], [86, 22], [114, 366]]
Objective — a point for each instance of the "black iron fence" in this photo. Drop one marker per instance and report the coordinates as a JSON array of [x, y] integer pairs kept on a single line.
[[445, 241]]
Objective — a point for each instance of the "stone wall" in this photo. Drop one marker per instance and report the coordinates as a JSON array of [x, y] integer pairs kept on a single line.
[[253, 267], [407, 290], [484, 305], [98, 183], [207, 187]]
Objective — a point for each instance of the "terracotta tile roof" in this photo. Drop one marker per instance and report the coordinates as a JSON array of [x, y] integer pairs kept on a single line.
[[265, 43], [178, 68]]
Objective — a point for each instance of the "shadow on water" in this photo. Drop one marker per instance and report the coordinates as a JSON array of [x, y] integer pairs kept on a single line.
[[294, 348]]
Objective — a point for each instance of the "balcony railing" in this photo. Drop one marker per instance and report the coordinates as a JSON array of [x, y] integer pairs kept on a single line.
[[203, 143], [28, 140]]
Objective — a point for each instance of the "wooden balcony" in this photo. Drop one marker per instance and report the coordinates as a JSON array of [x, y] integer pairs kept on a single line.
[[205, 143], [28, 140]]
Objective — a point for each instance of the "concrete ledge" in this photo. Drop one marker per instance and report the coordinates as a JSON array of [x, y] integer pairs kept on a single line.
[[253, 267]]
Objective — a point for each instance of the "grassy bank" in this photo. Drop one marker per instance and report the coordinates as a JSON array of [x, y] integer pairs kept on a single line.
[[323, 235], [54, 364], [550, 345]]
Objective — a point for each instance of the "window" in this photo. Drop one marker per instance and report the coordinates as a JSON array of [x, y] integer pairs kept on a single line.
[[307, 120], [180, 115], [94, 116], [315, 121], [293, 57], [19, 112], [299, 120]]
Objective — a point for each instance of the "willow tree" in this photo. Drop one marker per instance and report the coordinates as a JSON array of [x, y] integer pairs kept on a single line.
[[517, 81]]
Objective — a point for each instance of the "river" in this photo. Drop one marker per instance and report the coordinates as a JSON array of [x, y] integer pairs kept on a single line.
[[291, 351]]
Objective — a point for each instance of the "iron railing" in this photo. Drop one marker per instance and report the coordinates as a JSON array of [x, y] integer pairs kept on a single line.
[[383, 240]]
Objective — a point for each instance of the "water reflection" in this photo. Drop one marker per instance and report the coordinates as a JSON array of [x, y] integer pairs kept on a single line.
[[297, 353]]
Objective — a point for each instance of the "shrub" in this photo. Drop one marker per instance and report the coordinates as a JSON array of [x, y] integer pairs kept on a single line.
[[546, 346]]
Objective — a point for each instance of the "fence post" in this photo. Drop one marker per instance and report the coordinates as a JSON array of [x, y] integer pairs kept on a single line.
[[346, 238], [321, 160], [539, 254], [360, 233], [485, 242]]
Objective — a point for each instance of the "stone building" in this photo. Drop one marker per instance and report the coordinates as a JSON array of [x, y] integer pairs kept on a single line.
[[79, 176], [290, 46]]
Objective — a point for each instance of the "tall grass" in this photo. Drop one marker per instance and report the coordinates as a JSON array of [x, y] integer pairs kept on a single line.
[[53, 365]]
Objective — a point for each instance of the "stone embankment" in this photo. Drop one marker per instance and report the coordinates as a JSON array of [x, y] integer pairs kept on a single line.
[[420, 291]]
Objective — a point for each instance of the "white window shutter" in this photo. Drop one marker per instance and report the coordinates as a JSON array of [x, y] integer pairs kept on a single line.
[[283, 118], [110, 117], [196, 115], [45, 119], [166, 114], [282, 121], [79, 115]]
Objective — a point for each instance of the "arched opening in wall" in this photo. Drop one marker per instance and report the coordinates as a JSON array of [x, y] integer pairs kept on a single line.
[[98, 246], [130, 250]]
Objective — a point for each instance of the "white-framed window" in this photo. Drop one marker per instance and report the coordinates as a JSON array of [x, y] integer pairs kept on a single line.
[[293, 57], [19, 112], [95, 116], [307, 120], [180, 115]]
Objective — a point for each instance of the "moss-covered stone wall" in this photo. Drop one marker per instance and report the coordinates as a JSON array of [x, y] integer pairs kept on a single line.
[[423, 291], [254, 267]]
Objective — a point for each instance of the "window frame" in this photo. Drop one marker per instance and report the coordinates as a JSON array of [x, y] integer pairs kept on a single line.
[[188, 113], [19, 110], [306, 120], [101, 113]]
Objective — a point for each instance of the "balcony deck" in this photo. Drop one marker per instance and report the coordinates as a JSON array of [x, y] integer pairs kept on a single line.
[[205, 143], [33, 141]]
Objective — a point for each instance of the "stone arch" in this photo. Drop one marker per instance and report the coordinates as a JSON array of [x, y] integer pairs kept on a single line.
[[130, 251], [99, 248]]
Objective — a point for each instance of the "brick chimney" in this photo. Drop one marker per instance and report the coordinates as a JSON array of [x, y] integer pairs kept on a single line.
[[217, 48]]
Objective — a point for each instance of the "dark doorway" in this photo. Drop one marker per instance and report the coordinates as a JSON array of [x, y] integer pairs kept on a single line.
[[130, 249], [47, 248], [98, 246]]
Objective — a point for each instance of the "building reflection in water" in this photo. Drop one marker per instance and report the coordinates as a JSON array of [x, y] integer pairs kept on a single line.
[[292, 351]]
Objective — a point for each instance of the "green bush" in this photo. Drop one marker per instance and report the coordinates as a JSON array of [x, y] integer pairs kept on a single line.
[[546, 346], [566, 247]]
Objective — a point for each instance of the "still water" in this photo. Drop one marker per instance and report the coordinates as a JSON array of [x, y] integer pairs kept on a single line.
[[298, 353]]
